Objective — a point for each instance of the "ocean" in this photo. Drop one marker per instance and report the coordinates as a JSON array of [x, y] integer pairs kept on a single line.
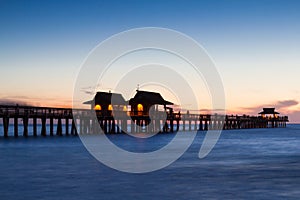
[[244, 164]]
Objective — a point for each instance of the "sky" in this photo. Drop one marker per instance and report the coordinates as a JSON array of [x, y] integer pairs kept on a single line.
[[255, 46]]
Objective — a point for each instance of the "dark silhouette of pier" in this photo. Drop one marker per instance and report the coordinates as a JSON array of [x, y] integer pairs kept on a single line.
[[82, 121]]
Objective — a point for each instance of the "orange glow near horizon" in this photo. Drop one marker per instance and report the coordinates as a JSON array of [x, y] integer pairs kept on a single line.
[[238, 109], [230, 109]]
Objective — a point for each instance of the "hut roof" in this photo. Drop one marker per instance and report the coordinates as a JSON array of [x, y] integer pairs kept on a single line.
[[149, 97], [106, 98], [269, 111]]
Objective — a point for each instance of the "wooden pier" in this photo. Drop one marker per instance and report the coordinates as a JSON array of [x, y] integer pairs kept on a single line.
[[80, 121]]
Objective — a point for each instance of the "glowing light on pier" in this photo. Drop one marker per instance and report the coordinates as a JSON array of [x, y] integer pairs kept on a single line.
[[97, 107], [140, 107]]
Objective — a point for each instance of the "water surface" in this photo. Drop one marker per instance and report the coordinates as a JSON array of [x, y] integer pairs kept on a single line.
[[245, 164]]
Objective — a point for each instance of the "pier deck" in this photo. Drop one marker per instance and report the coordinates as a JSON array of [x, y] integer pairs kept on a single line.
[[81, 122]]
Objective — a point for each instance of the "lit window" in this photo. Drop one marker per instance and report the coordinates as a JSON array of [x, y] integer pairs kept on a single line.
[[97, 107], [140, 107], [110, 107], [124, 108]]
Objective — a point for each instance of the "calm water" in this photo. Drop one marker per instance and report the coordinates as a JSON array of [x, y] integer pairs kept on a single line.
[[245, 164]]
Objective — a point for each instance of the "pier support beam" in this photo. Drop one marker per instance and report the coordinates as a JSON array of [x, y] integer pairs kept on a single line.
[[171, 126], [81, 126], [16, 126], [34, 127], [113, 126], [124, 126], [25, 124], [200, 125], [51, 126], [105, 126], [5, 126], [43, 131], [67, 126], [132, 126], [178, 125], [59, 127], [74, 129]]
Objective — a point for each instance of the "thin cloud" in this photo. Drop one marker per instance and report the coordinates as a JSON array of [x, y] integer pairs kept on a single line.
[[10, 102], [35, 101], [286, 103], [277, 105], [90, 90], [212, 110], [87, 91]]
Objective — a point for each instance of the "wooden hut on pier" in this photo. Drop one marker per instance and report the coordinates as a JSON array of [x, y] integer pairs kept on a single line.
[[143, 100], [141, 105], [105, 102]]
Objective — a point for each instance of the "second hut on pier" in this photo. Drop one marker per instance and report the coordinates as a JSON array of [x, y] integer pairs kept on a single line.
[[143, 100]]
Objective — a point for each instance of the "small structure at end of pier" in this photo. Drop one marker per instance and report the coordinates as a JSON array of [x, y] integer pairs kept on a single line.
[[269, 113], [272, 119]]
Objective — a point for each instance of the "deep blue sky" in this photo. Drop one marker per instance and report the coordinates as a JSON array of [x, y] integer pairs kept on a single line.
[[255, 44]]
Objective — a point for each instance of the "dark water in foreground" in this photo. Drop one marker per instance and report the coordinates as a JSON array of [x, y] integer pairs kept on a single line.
[[245, 164]]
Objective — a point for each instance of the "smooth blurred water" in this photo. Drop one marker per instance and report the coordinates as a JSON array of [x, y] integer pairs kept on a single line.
[[245, 164]]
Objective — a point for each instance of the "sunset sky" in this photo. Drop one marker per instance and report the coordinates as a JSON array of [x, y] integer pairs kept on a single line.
[[255, 46]]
